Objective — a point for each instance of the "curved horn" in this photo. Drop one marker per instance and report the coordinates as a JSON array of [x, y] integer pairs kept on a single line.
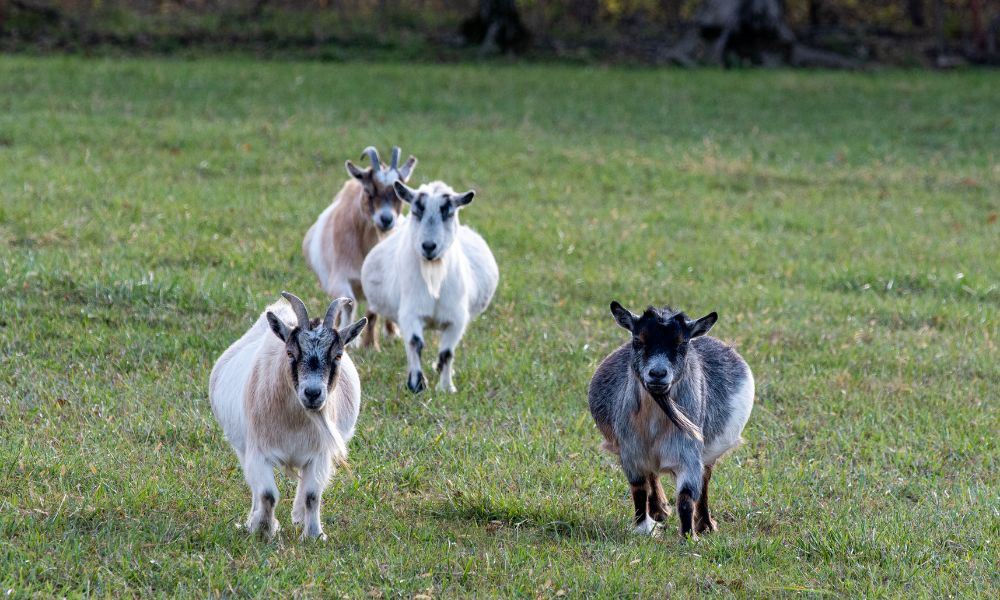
[[395, 157], [373, 155], [299, 308], [331, 312]]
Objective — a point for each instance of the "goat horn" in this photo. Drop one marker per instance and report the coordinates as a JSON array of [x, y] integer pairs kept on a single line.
[[331, 312], [299, 308], [373, 155], [395, 157]]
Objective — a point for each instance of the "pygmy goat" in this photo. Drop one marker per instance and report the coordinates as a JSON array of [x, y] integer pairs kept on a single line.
[[670, 400], [287, 395], [364, 211], [433, 273]]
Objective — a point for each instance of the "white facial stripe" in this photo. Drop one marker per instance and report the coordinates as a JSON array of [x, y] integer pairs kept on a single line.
[[387, 177]]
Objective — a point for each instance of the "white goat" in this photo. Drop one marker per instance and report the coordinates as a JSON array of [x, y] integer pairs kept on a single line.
[[288, 400], [432, 273], [364, 211]]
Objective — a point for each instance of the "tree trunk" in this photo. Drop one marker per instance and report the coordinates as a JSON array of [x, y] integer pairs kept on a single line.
[[752, 30], [938, 16], [993, 39], [672, 10], [586, 11], [978, 33], [815, 7], [496, 26], [915, 10]]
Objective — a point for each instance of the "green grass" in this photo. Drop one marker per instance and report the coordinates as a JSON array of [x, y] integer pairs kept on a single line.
[[843, 225]]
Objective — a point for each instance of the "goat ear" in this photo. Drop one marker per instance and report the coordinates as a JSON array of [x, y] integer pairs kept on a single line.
[[355, 172], [702, 325], [460, 200], [623, 315], [403, 193], [278, 326], [407, 169], [351, 331]]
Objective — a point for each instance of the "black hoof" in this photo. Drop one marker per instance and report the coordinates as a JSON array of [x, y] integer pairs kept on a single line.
[[416, 382]]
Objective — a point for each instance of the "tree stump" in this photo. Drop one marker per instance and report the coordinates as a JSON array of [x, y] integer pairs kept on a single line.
[[730, 32], [496, 27]]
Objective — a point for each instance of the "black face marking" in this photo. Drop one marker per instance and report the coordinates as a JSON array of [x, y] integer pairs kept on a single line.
[[294, 351], [656, 334], [367, 180], [385, 199], [336, 353], [311, 499], [418, 207], [417, 344], [292, 345], [311, 355], [268, 499]]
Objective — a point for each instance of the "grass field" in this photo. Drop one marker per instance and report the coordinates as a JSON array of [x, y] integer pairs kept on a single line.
[[843, 225]]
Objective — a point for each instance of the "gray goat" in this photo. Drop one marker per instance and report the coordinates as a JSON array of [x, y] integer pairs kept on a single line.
[[670, 400]]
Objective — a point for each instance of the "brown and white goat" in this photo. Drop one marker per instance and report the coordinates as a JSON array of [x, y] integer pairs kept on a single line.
[[364, 212], [287, 395]]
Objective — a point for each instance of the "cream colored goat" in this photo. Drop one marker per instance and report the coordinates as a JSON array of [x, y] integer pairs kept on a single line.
[[287, 395]]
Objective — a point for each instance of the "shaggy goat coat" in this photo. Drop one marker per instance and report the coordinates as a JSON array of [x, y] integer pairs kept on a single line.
[[255, 402]]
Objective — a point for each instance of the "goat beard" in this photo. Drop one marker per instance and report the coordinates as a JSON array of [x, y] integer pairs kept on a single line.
[[333, 436], [433, 273], [677, 416]]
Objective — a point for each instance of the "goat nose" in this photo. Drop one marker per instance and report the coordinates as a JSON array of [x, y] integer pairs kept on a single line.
[[428, 247], [657, 373], [386, 220], [312, 393]]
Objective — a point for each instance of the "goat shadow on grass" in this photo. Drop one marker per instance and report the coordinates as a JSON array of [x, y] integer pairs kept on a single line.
[[553, 520]]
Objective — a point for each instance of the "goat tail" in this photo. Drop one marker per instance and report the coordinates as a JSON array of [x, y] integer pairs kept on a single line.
[[678, 418]]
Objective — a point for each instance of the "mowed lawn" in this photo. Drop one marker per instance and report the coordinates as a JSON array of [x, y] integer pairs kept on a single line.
[[844, 226]]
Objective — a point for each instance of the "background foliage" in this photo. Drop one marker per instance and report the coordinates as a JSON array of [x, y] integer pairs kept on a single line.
[[887, 31]]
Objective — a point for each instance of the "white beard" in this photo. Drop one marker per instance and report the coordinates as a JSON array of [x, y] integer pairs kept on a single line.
[[433, 272], [332, 435]]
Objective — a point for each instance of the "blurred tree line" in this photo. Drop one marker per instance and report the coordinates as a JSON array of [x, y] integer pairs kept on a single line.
[[839, 33]]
